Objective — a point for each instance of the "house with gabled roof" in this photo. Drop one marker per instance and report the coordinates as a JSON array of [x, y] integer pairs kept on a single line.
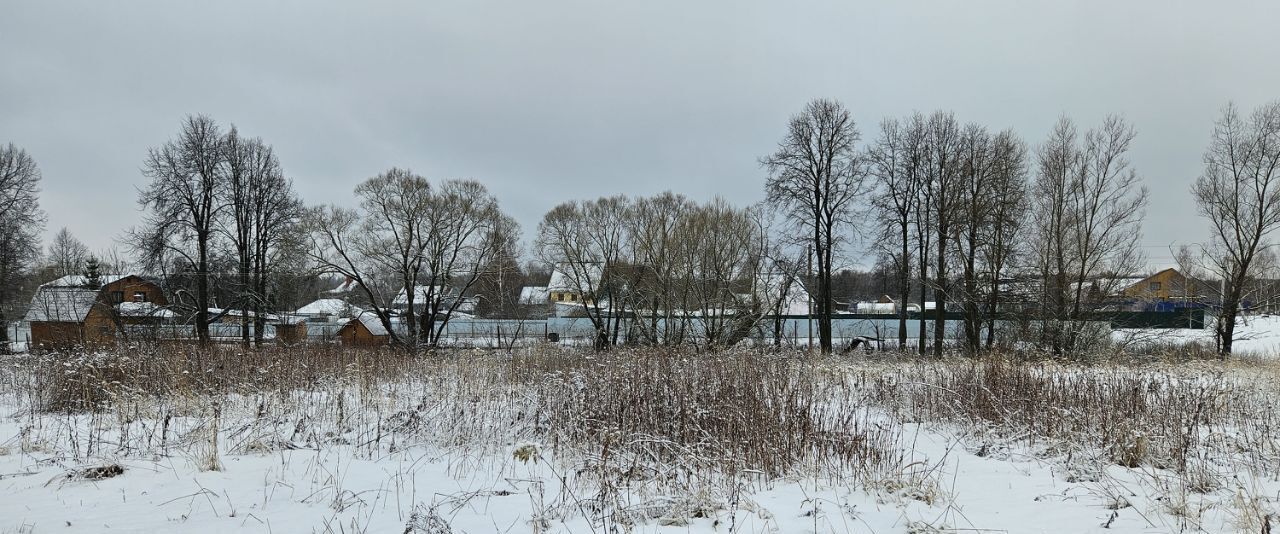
[[364, 330], [327, 310], [1168, 285], [446, 295], [575, 285], [69, 311]]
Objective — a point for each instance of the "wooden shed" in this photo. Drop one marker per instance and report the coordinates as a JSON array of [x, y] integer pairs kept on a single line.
[[62, 317], [364, 330], [291, 331]]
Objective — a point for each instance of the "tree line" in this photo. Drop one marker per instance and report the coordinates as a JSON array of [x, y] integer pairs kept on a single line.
[[975, 217], [966, 217]]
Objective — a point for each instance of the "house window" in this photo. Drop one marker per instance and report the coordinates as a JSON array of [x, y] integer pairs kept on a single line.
[[1154, 286], [117, 297], [139, 296]]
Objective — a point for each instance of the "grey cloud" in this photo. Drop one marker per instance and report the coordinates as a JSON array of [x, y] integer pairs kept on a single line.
[[545, 101]]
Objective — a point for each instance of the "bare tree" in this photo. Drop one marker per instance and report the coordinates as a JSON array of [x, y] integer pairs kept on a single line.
[[67, 254], [989, 206], [942, 172], [467, 232], [896, 161], [436, 242], [1239, 193], [395, 232], [500, 284], [655, 242], [1087, 215], [719, 257], [334, 245], [21, 221], [818, 174], [111, 260], [262, 210], [925, 231], [1007, 195], [184, 200], [776, 282], [973, 220], [586, 243]]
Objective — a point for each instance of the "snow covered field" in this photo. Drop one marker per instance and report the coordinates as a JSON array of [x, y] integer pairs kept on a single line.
[[638, 441], [1255, 336]]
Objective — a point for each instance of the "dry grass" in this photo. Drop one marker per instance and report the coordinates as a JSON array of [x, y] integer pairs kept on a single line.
[[1162, 416], [662, 422], [638, 421]]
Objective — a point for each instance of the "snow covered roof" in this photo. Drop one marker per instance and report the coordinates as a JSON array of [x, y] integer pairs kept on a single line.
[[328, 307], [531, 295], [876, 307], [144, 309], [78, 280], [61, 304], [237, 313], [568, 277], [289, 318], [371, 321], [419, 295], [347, 285]]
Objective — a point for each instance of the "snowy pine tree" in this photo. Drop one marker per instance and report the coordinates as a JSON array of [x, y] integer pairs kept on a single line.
[[92, 273]]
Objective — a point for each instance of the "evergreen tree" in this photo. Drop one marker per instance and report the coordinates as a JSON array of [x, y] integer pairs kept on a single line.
[[92, 273]]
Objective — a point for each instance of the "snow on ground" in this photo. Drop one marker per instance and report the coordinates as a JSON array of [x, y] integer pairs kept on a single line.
[[336, 490], [1255, 335], [276, 477]]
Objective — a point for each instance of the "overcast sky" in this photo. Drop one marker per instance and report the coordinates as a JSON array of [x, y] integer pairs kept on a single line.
[[550, 100]]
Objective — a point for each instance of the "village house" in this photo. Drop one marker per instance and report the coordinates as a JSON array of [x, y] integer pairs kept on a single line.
[[446, 295], [364, 330], [319, 320], [573, 286], [1168, 285], [69, 311], [535, 301], [573, 283], [225, 324], [291, 330], [327, 310]]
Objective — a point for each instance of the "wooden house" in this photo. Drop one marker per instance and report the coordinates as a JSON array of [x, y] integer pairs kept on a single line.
[[62, 317], [69, 311], [438, 298], [327, 310], [1167, 285], [364, 330], [291, 331], [572, 283]]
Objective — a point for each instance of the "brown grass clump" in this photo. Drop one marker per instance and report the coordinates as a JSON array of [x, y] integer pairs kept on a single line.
[[737, 410], [1138, 415], [83, 381], [709, 414]]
